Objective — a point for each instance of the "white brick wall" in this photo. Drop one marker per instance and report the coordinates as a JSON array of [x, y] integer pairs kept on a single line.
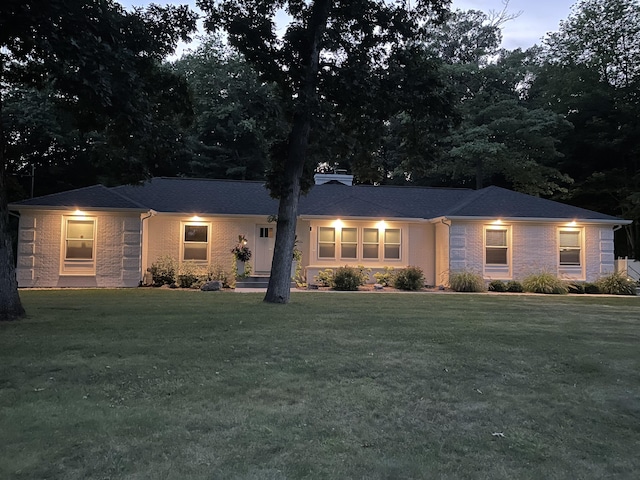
[[534, 248], [39, 251]]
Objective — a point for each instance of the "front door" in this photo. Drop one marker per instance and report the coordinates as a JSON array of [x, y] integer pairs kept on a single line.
[[265, 241]]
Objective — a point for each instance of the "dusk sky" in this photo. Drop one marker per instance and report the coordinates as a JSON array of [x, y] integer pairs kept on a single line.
[[537, 18]]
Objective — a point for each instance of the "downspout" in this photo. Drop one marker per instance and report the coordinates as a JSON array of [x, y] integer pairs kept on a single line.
[[151, 213], [444, 221]]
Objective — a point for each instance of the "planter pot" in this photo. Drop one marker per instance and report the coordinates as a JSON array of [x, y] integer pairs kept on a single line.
[[240, 267]]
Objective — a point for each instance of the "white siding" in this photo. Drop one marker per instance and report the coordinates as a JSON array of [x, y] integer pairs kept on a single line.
[[117, 251], [535, 248]]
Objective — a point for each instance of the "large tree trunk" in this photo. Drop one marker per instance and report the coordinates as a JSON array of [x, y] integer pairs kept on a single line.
[[279, 289], [10, 306]]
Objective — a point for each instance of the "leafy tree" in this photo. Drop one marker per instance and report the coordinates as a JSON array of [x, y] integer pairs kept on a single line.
[[101, 62], [237, 116], [325, 62], [590, 73], [501, 139]]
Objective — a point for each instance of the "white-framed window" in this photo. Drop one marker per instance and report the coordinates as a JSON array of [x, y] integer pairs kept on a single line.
[[392, 244], [358, 243], [326, 242], [497, 251], [78, 251], [496, 246], [570, 247], [195, 241], [349, 243], [370, 243]]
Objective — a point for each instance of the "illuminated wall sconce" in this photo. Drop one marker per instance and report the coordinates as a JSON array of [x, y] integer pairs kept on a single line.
[[572, 223], [196, 218], [337, 223], [497, 222], [381, 225]]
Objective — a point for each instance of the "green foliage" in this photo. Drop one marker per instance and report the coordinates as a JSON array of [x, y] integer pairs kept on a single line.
[[513, 286], [385, 277], [324, 278], [591, 288], [544, 282], [348, 278], [497, 286], [410, 278], [189, 274], [164, 270], [576, 288], [466, 281], [617, 284], [241, 251]]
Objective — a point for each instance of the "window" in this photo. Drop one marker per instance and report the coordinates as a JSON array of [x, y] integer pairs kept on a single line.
[[326, 242], [78, 250], [570, 247], [79, 241], [392, 244], [496, 246], [349, 243], [195, 242], [370, 243]]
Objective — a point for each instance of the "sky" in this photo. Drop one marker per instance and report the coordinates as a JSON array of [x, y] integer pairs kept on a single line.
[[537, 17]]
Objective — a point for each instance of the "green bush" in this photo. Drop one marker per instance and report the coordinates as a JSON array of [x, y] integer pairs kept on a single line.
[[216, 272], [617, 284], [189, 274], [544, 283], [348, 278], [163, 271], [577, 288], [410, 278], [497, 286], [324, 278], [385, 278], [513, 286], [466, 281], [591, 288]]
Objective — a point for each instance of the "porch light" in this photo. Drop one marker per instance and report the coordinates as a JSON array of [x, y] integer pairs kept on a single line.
[[497, 222], [337, 223], [381, 225], [196, 218], [78, 212], [572, 223]]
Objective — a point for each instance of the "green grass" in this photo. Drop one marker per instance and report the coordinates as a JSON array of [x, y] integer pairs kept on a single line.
[[161, 384]]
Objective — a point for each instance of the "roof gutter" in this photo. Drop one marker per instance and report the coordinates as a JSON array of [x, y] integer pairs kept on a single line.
[[603, 221]]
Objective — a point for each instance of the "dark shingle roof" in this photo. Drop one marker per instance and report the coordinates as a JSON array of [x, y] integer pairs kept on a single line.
[[96, 196], [231, 197], [500, 202]]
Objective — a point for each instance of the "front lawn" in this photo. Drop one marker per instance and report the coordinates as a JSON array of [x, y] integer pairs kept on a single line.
[[151, 384]]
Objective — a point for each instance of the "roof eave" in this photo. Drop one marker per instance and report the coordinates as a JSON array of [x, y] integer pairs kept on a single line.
[[601, 221], [61, 208]]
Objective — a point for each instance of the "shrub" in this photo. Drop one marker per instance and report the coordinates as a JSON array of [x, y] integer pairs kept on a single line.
[[514, 286], [348, 278], [163, 270], [544, 283], [324, 277], [575, 288], [410, 278], [466, 281], [591, 288], [617, 284], [497, 286], [384, 278], [216, 272], [191, 275]]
